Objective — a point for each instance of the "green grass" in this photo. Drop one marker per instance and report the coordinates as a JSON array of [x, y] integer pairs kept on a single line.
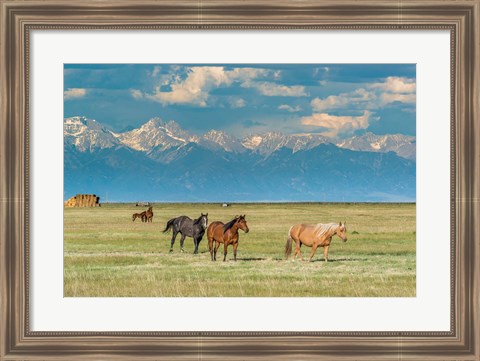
[[108, 255]]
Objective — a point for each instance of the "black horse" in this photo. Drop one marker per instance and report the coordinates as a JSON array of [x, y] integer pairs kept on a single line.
[[187, 228]]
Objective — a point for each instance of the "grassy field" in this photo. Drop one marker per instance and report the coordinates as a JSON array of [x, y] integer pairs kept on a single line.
[[108, 255]]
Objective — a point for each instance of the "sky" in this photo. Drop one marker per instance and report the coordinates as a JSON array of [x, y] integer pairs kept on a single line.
[[335, 100]]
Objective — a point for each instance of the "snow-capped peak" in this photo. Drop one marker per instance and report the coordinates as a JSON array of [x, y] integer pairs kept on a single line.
[[401, 144], [269, 142], [87, 134], [156, 134], [217, 138]]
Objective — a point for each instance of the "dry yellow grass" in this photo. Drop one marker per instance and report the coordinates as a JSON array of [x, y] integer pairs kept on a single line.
[[108, 255]]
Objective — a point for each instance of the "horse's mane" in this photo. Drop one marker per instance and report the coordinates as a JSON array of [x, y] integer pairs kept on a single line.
[[196, 221], [230, 224], [325, 230]]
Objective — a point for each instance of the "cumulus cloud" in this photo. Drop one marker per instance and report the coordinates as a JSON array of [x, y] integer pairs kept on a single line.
[[290, 108], [274, 89], [387, 98], [137, 94], [237, 103], [156, 70], [195, 88], [359, 97], [396, 89], [377, 95], [337, 125], [73, 93], [394, 84]]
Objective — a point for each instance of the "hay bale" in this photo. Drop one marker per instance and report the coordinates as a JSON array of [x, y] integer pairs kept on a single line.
[[86, 200], [71, 202]]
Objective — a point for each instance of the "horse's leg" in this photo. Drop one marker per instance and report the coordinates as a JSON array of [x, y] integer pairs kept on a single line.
[[235, 246], [217, 244], [225, 246], [314, 248], [195, 242], [182, 239], [174, 235], [210, 246], [297, 250], [325, 253]]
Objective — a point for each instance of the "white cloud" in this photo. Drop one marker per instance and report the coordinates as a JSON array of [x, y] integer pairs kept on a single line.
[[394, 89], [137, 94], [394, 84], [337, 125], [289, 108], [156, 71], [359, 97], [73, 93], [274, 89], [195, 88], [237, 103], [392, 97]]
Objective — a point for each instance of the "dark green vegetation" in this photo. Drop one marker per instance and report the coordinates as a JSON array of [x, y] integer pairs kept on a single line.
[[108, 255]]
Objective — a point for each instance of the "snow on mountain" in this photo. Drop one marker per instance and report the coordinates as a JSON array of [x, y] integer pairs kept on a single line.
[[403, 145], [265, 143], [215, 139], [156, 134], [162, 141], [269, 142], [305, 141], [87, 134]]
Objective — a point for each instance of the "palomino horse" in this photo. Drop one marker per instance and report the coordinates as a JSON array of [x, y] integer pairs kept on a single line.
[[187, 228], [226, 234], [149, 215], [142, 216], [314, 235]]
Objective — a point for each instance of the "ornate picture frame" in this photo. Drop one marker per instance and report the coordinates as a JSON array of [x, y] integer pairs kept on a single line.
[[19, 18]]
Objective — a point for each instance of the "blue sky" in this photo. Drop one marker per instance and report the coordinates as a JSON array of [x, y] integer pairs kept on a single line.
[[336, 100]]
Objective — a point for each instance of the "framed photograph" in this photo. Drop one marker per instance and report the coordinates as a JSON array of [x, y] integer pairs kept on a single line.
[[243, 180]]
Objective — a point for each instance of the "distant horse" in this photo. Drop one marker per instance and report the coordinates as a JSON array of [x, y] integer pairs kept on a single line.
[[149, 215], [226, 234], [142, 216], [187, 228], [316, 235]]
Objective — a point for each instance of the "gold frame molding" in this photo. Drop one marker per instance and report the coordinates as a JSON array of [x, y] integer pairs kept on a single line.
[[19, 17]]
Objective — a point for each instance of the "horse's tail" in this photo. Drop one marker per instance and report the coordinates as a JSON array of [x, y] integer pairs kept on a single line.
[[169, 225], [288, 245]]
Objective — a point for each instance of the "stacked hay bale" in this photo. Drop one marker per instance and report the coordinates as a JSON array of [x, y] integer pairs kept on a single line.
[[71, 202], [83, 200]]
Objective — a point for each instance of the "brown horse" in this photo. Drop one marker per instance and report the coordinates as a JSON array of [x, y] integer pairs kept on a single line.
[[226, 234], [316, 235], [142, 216], [149, 215]]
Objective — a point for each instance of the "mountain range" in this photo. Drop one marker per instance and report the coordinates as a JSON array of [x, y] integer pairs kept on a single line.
[[160, 161]]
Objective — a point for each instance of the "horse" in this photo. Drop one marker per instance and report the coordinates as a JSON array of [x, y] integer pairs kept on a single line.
[[149, 215], [316, 235], [187, 228], [226, 234], [142, 216]]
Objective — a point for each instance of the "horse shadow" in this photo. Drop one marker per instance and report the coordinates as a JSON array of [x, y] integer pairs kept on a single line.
[[339, 260], [251, 259]]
